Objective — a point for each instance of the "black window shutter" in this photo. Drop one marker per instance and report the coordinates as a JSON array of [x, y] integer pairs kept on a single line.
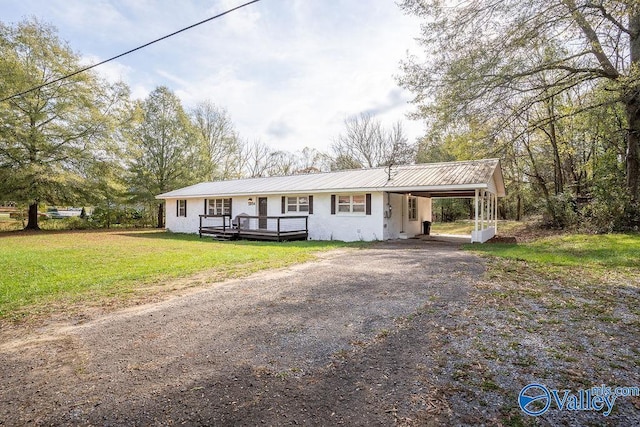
[[177, 208], [230, 206], [333, 204], [205, 207], [185, 207], [310, 205], [284, 204], [368, 203]]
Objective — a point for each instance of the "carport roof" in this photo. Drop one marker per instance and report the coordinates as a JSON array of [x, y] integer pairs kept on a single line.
[[438, 178]]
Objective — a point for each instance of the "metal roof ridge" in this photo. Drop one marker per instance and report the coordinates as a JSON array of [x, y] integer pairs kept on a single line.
[[416, 165]]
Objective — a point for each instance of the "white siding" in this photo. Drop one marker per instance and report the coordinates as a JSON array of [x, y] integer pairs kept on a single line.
[[322, 224], [491, 185], [399, 220], [240, 205], [188, 224], [393, 224], [347, 227]]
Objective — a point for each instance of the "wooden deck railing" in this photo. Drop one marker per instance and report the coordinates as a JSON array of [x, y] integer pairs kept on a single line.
[[219, 222], [255, 227]]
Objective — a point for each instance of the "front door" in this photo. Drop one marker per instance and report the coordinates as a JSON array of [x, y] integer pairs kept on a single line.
[[262, 212]]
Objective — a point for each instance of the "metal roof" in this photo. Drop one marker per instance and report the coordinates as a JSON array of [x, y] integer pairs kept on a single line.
[[449, 176]]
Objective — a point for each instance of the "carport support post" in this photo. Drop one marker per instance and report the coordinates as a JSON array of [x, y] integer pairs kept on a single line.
[[489, 209], [476, 211], [482, 203], [495, 212]]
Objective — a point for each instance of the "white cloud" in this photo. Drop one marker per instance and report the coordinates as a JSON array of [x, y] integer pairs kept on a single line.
[[111, 71], [288, 72], [241, 21]]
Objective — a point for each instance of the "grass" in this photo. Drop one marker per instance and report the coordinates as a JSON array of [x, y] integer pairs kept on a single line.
[[45, 268], [553, 310], [467, 226], [574, 250]]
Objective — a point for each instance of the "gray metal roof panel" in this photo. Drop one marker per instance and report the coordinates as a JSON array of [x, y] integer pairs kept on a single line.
[[455, 174]]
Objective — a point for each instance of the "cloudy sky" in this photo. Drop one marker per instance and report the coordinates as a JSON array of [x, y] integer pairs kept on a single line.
[[288, 71]]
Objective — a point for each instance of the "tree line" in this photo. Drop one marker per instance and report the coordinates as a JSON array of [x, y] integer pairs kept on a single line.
[[84, 141], [551, 87]]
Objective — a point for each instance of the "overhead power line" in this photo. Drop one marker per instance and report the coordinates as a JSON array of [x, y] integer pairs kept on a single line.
[[82, 70]]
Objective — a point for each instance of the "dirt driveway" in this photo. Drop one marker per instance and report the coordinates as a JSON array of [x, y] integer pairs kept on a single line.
[[408, 333], [269, 348]]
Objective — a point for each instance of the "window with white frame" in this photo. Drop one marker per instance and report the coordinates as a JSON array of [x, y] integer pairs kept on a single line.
[[182, 208], [412, 208], [352, 203], [298, 204], [219, 207]]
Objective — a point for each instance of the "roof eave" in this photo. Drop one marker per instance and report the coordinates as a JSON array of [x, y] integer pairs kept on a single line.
[[404, 189]]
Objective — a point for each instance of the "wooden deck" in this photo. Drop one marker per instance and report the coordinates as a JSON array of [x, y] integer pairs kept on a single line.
[[272, 228]]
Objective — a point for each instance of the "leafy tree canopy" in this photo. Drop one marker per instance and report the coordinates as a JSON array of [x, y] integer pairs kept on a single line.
[[496, 60], [49, 136]]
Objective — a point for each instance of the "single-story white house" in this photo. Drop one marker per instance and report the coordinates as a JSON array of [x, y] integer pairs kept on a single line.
[[364, 204]]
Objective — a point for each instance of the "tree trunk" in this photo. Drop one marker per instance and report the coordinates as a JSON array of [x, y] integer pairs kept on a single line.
[[633, 142], [632, 104], [32, 224], [543, 186], [160, 216], [558, 179]]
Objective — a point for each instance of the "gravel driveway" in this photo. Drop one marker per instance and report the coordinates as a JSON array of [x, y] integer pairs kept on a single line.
[[268, 348], [404, 333]]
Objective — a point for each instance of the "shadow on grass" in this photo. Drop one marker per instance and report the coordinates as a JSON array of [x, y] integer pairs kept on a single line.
[[44, 231], [165, 235]]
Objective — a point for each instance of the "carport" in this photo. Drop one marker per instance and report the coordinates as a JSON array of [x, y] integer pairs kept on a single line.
[[479, 180]]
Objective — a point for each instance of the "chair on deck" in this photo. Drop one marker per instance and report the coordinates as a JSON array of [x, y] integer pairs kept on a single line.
[[240, 221]]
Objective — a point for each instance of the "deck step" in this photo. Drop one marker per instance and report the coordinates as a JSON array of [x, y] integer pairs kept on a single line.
[[221, 237]]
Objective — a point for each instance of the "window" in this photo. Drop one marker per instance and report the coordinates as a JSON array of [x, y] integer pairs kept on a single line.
[[351, 204], [298, 204], [412, 208], [182, 208], [219, 207]]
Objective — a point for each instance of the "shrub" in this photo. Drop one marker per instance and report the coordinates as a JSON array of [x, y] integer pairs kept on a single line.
[[76, 223], [561, 212]]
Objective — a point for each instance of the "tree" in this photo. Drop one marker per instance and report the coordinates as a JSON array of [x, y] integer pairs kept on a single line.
[[483, 54], [164, 149], [220, 141], [255, 159], [282, 163], [366, 144], [48, 136], [311, 160]]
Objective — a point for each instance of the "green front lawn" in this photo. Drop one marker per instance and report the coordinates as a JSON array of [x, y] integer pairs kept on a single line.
[[574, 250], [76, 267], [467, 226]]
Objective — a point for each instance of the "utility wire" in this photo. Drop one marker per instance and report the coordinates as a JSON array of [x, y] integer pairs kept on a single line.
[[127, 52]]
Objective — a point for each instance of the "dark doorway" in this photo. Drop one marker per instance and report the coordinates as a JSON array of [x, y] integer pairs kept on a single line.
[[262, 212]]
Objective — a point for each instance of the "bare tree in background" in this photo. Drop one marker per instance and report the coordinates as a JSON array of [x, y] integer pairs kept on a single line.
[[282, 163], [366, 144], [310, 160], [255, 159]]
